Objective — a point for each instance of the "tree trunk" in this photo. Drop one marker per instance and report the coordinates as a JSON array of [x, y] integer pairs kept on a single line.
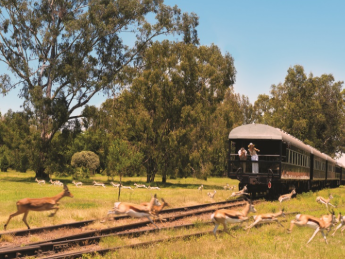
[[40, 173], [118, 197]]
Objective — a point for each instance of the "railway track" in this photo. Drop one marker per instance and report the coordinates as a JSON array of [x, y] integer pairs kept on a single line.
[[90, 237], [81, 224]]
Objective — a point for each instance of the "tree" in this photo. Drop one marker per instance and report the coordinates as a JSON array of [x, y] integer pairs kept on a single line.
[[4, 163], [307, 107], [87, 160], [121, 158], [62, 53], [179, 87]]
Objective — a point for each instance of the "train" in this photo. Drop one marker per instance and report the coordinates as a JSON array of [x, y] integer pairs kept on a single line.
[[284, 163]]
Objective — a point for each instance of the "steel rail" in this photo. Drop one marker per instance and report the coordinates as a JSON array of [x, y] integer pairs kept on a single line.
[[138, 245], [84, 223], [51, 247], [89, 237]]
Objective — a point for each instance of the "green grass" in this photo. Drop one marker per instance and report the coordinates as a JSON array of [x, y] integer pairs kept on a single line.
[[264, 241]]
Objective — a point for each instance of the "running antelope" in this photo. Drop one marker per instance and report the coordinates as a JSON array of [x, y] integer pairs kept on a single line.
[[40, 181], [126, 187], [98, 184], [135, 210], [225, 217], [227, 187], [319, 224], [115, 185], [241, 192], [342, 223], [156, 209], [41, 204], [211, 195], [286, 197], [153, 188], [268, 217], [322, 200], [140, 185], [77, 183], [201, 187]]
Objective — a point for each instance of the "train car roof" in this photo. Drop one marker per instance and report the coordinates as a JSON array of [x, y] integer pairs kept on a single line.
[[262, 132]]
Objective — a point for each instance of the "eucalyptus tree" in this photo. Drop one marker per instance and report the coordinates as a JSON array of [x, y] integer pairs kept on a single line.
[[310, 108], [62, 53], [180, 86]]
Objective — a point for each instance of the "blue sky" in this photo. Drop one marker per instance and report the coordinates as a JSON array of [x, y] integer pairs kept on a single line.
[[265, 38]]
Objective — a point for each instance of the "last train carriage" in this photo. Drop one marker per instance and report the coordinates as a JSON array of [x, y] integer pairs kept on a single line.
[[284, 162]]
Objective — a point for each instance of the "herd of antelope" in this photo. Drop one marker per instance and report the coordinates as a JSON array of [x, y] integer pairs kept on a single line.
[[94, 183], [151, 210]]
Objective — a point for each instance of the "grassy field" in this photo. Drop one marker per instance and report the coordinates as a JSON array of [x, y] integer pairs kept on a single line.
[[264, 241]]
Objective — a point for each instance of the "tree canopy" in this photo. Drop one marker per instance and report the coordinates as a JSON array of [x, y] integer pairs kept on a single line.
[[61, 53]]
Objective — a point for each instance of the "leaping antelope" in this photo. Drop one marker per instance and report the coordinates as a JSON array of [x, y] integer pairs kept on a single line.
[[241, 192], [286, 197], [211, 195], [342, 223], [134, 210], [200, 187], [225, 217], [116, 185], [156, 209], [227, 187], [126, 187], [322, 200], [77, 183], [153, 188], [40, 181], [140, 185], [41, 204], [268, 217], [321, 224], [98, 184]]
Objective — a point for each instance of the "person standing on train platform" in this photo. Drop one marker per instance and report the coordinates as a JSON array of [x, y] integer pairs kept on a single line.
[[242, 153], [254, 157]]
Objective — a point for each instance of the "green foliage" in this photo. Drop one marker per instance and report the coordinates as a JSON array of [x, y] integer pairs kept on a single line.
[[87, 160], [4, 164], [307, 107], [62, 53], [122, 157]]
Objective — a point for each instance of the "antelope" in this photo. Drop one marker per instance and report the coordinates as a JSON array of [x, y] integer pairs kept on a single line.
[[322, 200], [241, 192], [286, 197], [40, 204], [224, 216], [98, 184], [321, 224], [140, 185], [153, 188], [227, 187], [134, 210], [40, 181], [211, 195], [156, 209], [116, 185], [77, 183], [126, 187], [342, 223], [201, 187], [58, 183], [268, 217]]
